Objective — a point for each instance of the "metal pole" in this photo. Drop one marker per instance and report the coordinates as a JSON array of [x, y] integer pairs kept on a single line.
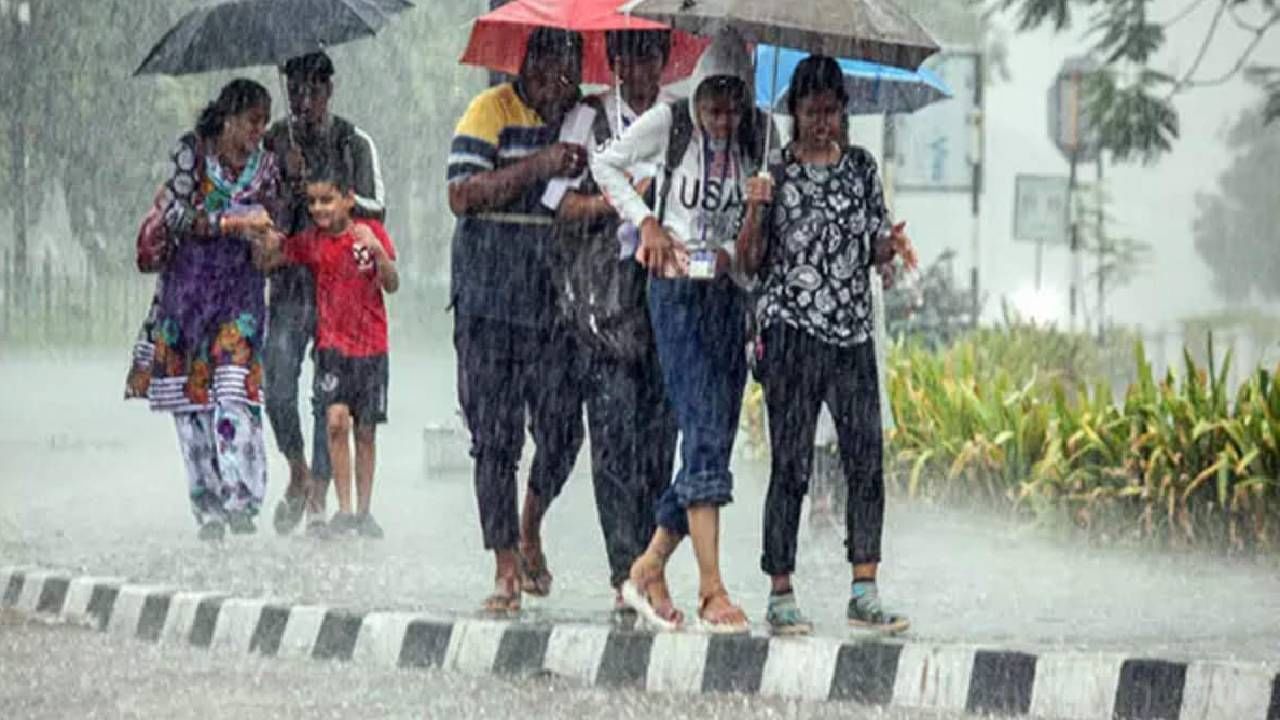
[[18, 147], [1075, 242], [976, 201], [773, 98], [1102, 258], [1039, 264], [7, 296], [496, 78]]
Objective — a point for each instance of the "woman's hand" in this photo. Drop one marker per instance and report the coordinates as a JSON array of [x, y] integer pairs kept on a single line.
[[759, 190], [252, 225], [662, 254], [902, 246]]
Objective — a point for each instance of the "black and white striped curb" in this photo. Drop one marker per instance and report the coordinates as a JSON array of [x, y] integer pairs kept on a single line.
[[908, 674]]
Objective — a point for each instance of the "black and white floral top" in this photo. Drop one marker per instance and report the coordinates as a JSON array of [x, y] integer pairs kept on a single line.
[[820, 232]]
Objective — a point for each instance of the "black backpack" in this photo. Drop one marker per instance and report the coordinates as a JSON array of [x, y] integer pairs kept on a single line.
[[601, 296], [604, 298]]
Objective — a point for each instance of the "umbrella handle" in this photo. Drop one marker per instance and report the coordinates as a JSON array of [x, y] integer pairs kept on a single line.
[[288, 108], [773, 93]]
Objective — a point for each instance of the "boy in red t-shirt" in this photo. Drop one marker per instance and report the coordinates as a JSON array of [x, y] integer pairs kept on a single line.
[[353, 261]]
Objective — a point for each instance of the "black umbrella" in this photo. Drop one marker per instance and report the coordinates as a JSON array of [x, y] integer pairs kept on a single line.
[[874, 30], [246, 33]]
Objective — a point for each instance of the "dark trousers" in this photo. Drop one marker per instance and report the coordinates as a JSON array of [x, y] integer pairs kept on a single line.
[[700, 329], [291, 329], [633, 443], [504, 372], [799, 372]]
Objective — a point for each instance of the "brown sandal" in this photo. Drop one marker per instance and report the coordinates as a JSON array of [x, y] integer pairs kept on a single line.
[[503, 604]]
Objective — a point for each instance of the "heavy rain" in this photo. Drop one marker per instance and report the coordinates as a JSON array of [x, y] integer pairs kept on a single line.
[[893, 359]]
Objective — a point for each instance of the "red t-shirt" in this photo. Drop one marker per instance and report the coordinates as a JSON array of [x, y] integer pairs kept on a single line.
[[350, 315]]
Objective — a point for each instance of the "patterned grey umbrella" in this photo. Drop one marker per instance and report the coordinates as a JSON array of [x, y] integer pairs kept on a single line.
[[875, 30], [246, 33]]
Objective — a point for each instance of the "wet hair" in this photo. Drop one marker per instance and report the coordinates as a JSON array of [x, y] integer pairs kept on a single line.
[[553, 45], [722, 86], [236, 97], [335, 172], [815, 75], [315, 66], [637, 43], [738, 92]]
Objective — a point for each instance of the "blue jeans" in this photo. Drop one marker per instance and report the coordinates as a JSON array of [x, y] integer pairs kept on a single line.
[[700, 330], [291, 323]]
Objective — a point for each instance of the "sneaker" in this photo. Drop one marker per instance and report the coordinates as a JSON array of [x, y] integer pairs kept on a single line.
[[212, 531], [865, 612], [367, 527], [241, 523], [318, 529], [343, 523], [288, 514], [784, 616]]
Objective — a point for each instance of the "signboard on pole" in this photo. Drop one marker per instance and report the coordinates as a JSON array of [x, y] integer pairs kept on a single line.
[[1070, 126], [937, 147], [1040, 209]]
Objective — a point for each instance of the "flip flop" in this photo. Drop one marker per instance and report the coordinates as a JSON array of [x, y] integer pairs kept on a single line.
[[501, 604], [728, 621], [639, 601]]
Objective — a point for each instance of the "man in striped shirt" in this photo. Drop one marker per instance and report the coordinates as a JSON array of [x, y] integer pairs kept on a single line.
[[318, 138], [512, 354]]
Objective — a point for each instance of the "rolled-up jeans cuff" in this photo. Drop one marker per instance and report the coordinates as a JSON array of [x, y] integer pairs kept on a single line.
[[708, 488], [863, 558]]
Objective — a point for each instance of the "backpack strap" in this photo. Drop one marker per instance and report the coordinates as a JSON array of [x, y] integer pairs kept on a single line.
[[600, 131], [346, 133], [677, 145]]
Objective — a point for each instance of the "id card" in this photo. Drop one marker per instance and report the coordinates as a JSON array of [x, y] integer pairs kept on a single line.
[[702, 265]]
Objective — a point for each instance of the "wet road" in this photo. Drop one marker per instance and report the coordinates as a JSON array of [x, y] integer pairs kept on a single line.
[[61, 672], [90, 484]]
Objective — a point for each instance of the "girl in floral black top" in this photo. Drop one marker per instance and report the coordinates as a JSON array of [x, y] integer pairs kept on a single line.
[[814, 240]]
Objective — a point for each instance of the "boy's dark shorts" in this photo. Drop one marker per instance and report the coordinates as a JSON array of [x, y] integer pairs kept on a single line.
[[360, 383]]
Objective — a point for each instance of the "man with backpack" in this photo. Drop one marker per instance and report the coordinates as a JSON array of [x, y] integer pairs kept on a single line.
[[602, 296], [317, 138]]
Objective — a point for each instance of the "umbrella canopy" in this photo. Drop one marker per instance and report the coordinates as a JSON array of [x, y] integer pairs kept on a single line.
[[875, 30], [873, 89], [498, 39], [246, 33]]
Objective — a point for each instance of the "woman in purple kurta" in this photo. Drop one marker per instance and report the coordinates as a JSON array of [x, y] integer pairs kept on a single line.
[[203, 359]]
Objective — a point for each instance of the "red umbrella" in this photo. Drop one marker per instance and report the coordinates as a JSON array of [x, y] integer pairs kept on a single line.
[[498, 39]]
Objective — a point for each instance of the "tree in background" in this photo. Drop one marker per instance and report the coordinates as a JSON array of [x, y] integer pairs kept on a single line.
[[1237, 230], [1132, 101], [1118, 259], [92, 132]]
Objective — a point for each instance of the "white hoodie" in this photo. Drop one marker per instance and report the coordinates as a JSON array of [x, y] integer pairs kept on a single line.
[[697, 207]]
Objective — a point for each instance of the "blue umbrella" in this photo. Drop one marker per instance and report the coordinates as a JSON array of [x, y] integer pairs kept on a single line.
[[873, 89]]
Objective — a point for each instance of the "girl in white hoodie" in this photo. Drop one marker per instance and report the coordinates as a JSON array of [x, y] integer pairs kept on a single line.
[[697, 307]]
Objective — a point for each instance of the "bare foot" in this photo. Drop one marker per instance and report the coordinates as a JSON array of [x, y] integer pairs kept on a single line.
[[646, 592], [719, 615]]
